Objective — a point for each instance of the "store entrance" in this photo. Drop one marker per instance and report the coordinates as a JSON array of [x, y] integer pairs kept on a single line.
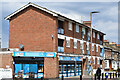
[[28, 67], [66, 68]]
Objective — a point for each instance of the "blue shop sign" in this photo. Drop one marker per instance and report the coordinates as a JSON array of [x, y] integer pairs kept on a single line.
[[66, 58], [79, 58], [34, 54]]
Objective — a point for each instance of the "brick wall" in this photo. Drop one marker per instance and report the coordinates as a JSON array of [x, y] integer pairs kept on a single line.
[[51, 68], [6, 60], [34, 29]]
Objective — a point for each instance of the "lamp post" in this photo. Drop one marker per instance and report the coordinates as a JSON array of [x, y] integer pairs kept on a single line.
[[91, 41]]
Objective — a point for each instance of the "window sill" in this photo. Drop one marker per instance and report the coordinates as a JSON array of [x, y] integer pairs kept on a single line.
[[67, 46]]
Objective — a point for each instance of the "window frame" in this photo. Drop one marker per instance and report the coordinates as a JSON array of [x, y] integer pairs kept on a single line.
[[98, 61], [98, 36], [70, 26], [68, 40], [75, 44], [81, 45], [77, 28], [93, 34]]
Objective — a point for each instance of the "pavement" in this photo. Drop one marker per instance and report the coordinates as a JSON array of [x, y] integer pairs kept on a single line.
[[83, 78]]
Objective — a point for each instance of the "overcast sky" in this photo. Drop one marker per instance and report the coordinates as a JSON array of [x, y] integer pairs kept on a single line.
[[106, 20]]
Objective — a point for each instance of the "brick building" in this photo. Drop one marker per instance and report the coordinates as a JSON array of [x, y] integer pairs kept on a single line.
[[112, 54], [53, 44]]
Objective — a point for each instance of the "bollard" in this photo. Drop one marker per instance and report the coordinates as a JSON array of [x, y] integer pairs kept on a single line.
[[80, 77], [95, 76], [110, 75], [113, 75], [116, 75], [62, 77], [102, 76]]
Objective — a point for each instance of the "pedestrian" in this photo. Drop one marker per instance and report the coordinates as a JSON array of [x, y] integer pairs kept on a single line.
[[98, 73]]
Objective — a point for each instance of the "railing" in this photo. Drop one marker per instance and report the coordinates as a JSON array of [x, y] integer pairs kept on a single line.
[[60, 49], [60, 31]]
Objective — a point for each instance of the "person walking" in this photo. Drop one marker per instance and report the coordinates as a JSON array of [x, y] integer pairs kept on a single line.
[[98, 73]]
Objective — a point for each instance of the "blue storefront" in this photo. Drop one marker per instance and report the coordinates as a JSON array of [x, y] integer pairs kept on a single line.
[[30, 64], [70, 66]]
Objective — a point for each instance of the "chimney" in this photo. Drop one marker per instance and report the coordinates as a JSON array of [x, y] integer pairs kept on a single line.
[[87, 23]]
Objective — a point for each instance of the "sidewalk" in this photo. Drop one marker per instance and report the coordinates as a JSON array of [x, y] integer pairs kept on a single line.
[[83, 78]]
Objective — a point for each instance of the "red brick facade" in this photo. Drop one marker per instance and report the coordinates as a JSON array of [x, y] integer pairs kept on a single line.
[[38, 31], [34, 29]]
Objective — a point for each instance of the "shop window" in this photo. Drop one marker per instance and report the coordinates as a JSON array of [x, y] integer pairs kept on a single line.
[[75, 44], [66, 70], [40, 68], [33, 68], [70, 26], [25, 68], [67, 43], [29, 70], [78, 69], [77, 28], [18, 68]]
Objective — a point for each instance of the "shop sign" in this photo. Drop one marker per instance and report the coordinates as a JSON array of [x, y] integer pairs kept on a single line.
[[79, 58], [66, 58], [5, 73], [34, 54]]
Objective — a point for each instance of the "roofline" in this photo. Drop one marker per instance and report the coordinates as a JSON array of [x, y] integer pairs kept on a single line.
[[27, 5], [48, 11]]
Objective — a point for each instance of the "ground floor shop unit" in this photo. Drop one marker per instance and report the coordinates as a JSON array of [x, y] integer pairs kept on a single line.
[[45, 64], [26, 64], [70, 66]]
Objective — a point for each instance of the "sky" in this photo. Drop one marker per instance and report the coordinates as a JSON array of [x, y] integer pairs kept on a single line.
[[106, 20]]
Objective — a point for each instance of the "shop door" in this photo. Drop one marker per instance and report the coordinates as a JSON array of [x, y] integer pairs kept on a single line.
[[79, 69], [66, 69]]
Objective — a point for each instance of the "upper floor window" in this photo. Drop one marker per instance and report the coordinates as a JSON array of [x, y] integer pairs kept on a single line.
[[88, 35], [93, 60], [93, 47], [75, 44], [77, 28], [83, 32], [96, 48], [98, 36], [93, 34], [67, 42], [70, 26], [87, 46], [98, 61], [81, 45]]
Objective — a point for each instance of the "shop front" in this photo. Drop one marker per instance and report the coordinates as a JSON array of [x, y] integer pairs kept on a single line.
[[30, 64], [70, 66]]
